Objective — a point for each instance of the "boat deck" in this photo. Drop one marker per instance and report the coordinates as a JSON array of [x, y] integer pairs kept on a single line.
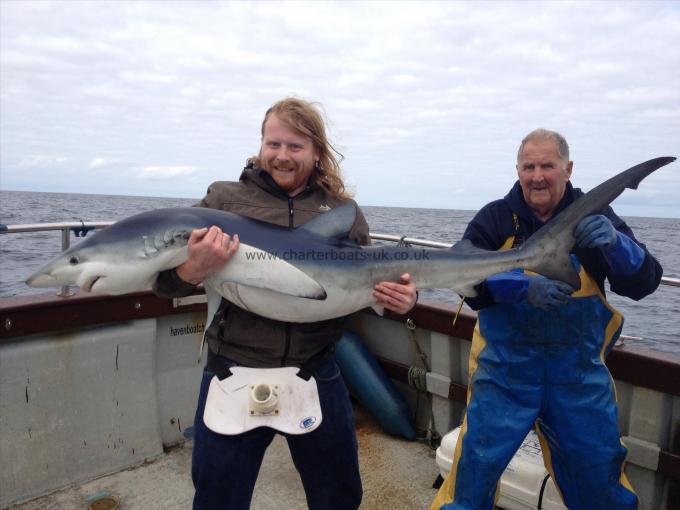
[[396, 474]]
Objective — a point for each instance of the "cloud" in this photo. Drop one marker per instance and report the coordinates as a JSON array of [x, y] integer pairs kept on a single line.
[[100, 162], [148, 78], [405, 79], [165, 172], [405, 85], [360, 104], [644, 95], [43, 162], [431, 113]]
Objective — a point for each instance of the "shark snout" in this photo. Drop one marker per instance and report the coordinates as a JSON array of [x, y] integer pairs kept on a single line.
[[42, 280]]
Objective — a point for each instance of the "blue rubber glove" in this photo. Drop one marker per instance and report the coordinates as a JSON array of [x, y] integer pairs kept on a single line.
[[623, 255], [515, 286], [595, 231], [548, 294]]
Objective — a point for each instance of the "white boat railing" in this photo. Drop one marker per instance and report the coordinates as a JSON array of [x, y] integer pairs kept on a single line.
[[81, 228]]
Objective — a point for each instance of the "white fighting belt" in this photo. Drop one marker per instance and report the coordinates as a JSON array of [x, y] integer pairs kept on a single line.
[[257, 397]]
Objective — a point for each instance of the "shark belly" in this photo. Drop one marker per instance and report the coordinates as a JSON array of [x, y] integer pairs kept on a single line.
[[282, 307], [345, 292], [253, 267], [279, 287]]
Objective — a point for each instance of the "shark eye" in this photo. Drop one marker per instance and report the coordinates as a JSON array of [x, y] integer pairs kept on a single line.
[[73, 260]]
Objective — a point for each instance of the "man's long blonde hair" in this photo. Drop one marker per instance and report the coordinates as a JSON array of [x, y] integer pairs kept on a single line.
[[305, 118]]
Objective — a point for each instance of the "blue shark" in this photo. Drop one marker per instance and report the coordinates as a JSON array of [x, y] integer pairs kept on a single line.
[[312, 272]]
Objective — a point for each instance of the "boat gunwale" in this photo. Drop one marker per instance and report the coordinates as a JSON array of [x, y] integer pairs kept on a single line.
[[637, 366]]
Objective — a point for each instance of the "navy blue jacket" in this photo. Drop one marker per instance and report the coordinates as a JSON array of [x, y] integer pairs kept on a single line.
[[494, 223]]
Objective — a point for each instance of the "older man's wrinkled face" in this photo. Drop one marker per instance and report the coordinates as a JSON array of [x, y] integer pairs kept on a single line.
[[287, 155], [543, 176]]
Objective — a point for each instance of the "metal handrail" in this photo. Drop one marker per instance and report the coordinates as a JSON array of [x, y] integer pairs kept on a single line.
[[64, 225], [409, 240], [82, 227], [79, 228]]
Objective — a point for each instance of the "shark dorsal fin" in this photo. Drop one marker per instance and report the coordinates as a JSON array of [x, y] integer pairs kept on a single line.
[[335, 223]]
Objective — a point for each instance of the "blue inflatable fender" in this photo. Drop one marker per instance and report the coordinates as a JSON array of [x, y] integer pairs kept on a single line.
[[367, 380]]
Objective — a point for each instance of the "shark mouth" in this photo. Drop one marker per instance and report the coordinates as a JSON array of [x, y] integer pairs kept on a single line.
[[88, 285]]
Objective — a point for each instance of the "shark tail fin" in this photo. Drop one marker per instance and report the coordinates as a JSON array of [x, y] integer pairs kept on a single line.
[[548, 249]]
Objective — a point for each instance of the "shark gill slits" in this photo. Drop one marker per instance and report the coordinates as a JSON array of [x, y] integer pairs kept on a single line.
[[168, 238], [149, 248], [181, 237], [159, 242]]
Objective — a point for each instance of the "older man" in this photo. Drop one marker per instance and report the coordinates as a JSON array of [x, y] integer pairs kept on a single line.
[[538, 350], [295, 177]]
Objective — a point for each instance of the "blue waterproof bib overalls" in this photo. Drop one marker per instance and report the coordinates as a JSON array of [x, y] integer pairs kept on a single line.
[[533, 367]]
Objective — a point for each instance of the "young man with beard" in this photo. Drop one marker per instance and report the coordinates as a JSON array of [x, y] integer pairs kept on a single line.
[[295, 177]]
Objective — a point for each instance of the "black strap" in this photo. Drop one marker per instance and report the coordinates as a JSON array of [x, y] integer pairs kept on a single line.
[[517, 239], [438, 482], [218, 365], [308, 368], [540, 494]]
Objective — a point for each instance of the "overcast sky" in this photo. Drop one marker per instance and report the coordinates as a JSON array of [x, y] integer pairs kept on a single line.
[[427, 101]]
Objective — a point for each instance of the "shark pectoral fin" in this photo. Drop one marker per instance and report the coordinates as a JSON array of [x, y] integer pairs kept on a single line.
[[256, 268], [214, 301], [379, 309], [290, 285]]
